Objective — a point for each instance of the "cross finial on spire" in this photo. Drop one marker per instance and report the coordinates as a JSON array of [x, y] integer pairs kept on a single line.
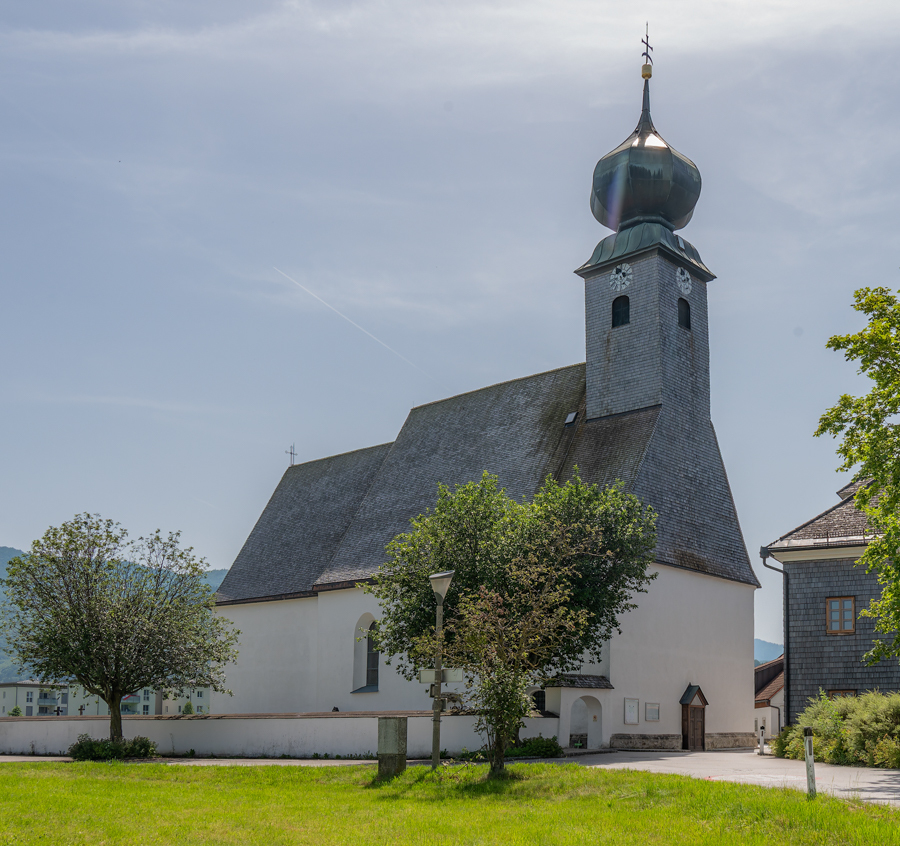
[[647, 69], [291, 453]]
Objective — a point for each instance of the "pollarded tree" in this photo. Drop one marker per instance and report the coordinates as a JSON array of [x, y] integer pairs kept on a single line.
[[870, 446], [538, 586], [115, 615]]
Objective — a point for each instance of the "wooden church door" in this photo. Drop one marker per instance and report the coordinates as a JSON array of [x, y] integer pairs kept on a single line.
[[693, 719], [696, 732]]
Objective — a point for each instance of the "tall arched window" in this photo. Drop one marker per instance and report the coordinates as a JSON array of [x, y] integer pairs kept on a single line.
[[372, 655], [621, 312], [684, 313]]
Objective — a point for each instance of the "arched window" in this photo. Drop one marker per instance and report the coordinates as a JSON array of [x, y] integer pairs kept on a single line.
[[621, 312], [539, 698], [684, 313], [365, 656], [371, 659]]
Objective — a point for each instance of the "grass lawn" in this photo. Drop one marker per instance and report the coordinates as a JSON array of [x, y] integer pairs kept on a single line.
[[539, 804]]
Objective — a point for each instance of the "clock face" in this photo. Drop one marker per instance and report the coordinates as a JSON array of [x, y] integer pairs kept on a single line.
[[684, 280], [620, 278]]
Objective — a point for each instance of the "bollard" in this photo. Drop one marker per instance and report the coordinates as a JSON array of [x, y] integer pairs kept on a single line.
[[391, 746], [762, 740], [810, 763]]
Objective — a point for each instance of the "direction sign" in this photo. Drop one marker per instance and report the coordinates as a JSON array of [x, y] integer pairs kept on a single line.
[[448, 676]]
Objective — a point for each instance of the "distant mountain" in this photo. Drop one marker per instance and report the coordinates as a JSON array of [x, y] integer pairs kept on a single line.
[[764, 651], [214, 578], [8, 671]]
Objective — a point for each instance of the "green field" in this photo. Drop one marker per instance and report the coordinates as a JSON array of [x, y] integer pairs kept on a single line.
[[539, 804]]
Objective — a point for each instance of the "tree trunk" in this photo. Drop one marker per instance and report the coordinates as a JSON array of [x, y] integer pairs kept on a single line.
[[115, 717], [498, 757]]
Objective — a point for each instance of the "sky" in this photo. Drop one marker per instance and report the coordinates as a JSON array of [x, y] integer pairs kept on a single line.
[[421, 170]]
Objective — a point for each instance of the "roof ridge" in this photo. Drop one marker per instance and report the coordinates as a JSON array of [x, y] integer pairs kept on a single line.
[[498, 384], [812, 520], [339, 455]]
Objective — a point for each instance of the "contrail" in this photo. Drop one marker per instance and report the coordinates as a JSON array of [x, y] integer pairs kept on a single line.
[[354, 324]]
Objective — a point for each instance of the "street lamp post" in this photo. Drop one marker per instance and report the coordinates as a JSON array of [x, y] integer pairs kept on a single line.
[[440, 584]]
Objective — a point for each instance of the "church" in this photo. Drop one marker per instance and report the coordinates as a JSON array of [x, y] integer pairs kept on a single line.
[[637, 410]]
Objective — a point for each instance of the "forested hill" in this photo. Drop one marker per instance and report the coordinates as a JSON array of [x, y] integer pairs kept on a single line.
[[7, 669]]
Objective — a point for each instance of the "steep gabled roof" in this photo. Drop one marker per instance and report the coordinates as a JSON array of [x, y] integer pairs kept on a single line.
[[511, 430], [843, 521], [302, 525], [329, 521]]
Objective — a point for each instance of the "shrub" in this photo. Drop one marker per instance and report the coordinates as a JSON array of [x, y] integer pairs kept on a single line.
[[15, 712], [188, 709], [87, 748], [859, 730], [537, 747]]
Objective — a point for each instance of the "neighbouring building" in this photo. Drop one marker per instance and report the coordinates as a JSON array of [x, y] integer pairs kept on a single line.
[[637, 410], [34, 698], [824, 591], [769, 701], [60, 700]]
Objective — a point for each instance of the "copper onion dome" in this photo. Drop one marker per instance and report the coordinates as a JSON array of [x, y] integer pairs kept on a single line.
[[644, 180]]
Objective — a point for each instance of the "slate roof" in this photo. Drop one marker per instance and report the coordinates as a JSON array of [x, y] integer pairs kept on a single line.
[[511, 430], [581, 680], [841, 521], [302, 526], [328, 522]]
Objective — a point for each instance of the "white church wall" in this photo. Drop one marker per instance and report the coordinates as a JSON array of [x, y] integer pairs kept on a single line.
[[275, 669], [250, 736], [338, 613], [687, 629]]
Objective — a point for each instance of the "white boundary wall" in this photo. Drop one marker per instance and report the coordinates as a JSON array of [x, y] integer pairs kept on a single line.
[[251, 736]]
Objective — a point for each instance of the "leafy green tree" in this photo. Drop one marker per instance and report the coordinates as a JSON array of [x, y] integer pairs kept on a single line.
[[188, 708], [15, 712], [115, 615], [539, 587], [870, 446]]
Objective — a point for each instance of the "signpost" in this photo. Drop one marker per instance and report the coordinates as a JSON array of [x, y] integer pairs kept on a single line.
[[440, 584]]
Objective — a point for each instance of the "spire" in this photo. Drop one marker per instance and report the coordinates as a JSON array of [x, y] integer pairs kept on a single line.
[[644, 180], [645, 124]]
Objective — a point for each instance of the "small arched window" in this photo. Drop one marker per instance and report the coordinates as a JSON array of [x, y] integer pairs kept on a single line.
[[621, 312], [539, 698], [372, 655], [684, 313]]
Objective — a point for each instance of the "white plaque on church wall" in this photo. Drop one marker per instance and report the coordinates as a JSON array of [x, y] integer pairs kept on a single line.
[[631, 712], [651, 712]]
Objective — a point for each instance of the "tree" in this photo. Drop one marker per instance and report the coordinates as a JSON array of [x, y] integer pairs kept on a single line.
[[15, 712], [870, 447], [539, 586], [115, 615]]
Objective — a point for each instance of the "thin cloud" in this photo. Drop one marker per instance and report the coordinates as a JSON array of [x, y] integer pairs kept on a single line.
[[353, 323]]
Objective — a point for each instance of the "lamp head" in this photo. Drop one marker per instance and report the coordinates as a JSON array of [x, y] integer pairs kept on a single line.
[[440, 584]]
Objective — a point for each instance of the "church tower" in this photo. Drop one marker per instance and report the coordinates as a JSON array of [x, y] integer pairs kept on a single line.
[[647, 342], [647, 346]]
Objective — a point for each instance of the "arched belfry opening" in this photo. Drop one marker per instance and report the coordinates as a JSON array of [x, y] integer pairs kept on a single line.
[[684, 313], [621, 311]]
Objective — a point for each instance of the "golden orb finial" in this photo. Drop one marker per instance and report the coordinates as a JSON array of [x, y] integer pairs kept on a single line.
[[647, 68]]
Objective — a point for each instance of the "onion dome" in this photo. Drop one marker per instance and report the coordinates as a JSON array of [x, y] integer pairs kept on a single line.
[[644, 180]]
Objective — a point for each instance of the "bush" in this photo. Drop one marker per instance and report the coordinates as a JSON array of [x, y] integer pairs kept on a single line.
[[858, 730], [87, 748], [537, 747], [188, 709], [15, 712]]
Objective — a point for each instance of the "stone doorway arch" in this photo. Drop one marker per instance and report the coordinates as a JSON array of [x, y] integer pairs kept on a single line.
[[586, 722]]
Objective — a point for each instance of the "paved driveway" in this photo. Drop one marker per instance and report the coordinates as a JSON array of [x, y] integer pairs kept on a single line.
[[872, 785]]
